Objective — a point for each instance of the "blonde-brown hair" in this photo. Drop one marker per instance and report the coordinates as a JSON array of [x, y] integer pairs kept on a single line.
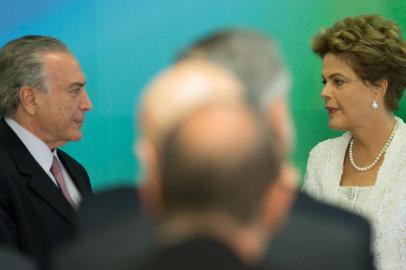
[[373, 47]]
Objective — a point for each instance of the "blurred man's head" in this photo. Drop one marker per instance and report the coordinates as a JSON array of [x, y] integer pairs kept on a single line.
[[256, 61], [180, 89], [213, 173], [173, 94], [219, 176], [220, 159]]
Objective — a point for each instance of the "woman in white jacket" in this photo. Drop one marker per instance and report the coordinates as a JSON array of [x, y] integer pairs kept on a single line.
[[364, 170]]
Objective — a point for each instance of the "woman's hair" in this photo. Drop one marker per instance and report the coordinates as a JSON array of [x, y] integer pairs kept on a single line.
[[373, 47]]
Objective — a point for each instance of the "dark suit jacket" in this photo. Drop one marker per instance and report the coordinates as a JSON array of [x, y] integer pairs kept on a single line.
[[120, 245], [129, 248], [129, 242], [12, 260], [319, 236], [199, 253], [107, 208], [34, 215]]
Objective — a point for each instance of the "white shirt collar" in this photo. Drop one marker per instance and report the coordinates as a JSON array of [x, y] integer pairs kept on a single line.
[[38, 149]]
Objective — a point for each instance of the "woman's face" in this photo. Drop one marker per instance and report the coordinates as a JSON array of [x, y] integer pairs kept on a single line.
[[348, 100]]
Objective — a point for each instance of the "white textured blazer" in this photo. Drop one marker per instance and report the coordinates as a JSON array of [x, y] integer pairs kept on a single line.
[[383, 204]]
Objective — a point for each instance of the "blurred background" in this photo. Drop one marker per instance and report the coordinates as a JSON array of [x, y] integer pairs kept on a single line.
[[121, 44]]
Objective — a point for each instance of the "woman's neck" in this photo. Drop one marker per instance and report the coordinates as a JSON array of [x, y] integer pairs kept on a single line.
[[370, 138]]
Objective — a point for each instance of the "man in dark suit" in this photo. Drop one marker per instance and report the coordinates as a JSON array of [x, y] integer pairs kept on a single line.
[[216, 215], [184, 88], [317, 236], [42, 105], [320, 236]]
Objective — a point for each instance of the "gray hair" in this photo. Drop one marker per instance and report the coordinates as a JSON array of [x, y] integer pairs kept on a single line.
[[21, 64], [252, 57]]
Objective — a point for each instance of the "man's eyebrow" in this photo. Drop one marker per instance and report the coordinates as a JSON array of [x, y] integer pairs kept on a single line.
[[77, 84]]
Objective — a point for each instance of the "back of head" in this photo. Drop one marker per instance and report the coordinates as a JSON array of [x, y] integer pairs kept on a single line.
[[373, 46], [252, 57], [180, 89], [218, 160], [21, 64]]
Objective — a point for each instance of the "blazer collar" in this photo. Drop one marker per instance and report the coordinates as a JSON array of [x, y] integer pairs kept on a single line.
[[75, 174], [40, 181]]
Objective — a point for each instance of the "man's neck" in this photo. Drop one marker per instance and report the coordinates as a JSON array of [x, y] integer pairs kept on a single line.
[[247, 241], [28, 123]]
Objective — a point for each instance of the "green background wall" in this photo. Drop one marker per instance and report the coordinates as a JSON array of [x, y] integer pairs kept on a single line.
[[121, 44]]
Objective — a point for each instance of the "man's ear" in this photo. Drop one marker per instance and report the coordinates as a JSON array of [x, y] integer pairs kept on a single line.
[[150, 187], [278, 117], [28, 99], [147, 154], [279, 196]]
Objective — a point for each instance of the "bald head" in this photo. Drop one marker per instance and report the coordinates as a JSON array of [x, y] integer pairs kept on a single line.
[[182, 88], [221, 160], [220, 134]]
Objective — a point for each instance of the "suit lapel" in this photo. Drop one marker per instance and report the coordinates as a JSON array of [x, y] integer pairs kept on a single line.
[[74, 172], [48, 191], [40, 182]]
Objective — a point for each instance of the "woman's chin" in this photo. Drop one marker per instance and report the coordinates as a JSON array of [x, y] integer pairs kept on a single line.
[[336, 125]]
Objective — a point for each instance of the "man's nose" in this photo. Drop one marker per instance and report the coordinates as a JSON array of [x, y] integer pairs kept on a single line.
[[86, 103]]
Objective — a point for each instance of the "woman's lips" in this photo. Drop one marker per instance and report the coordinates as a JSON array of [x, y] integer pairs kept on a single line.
[[331, 110]]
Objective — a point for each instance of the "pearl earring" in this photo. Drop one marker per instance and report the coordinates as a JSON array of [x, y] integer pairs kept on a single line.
[[375, 104]]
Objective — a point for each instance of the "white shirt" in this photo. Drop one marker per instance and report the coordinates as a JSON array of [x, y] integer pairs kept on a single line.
[[43, 155], [384, 203]]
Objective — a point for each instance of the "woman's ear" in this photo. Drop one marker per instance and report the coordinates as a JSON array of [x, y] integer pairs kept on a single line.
[[380, 89]]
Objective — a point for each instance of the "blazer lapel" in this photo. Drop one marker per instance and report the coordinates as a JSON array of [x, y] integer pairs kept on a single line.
[[40, 182], [48, 191], [81, 183]]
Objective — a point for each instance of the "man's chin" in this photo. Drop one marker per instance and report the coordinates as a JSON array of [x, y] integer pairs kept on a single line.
[[76, 137]]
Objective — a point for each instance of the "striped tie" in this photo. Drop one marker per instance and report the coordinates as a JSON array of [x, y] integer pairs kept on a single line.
[[56, 171]]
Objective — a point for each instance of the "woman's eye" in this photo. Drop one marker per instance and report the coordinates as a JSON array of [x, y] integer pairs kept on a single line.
[[338, 82], [323, 82]]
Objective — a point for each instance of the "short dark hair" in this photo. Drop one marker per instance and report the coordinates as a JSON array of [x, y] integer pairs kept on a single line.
[[21, 63], [373, 47], [234, 185]]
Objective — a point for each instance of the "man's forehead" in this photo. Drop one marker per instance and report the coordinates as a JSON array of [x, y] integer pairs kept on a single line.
[[220, 127], [194, 79], [182, 88], [58, 57], [64, 63]]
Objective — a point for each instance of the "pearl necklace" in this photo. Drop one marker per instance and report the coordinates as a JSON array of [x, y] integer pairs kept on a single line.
[[370, 166]]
